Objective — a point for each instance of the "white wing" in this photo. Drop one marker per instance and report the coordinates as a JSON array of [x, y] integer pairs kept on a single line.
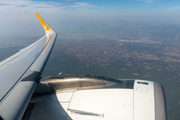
[[20, 73]]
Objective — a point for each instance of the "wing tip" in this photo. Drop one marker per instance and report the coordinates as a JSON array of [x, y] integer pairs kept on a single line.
[[43, 23]]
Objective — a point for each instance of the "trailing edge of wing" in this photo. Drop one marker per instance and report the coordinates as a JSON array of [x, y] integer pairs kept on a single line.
[[43, 23]]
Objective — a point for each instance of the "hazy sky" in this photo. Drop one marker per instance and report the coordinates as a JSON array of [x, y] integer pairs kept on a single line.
[[108, 7], [19, 14]]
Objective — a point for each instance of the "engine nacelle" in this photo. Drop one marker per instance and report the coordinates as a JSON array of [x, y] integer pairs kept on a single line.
[[87, 97]]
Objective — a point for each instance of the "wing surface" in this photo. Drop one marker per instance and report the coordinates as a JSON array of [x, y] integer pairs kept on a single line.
[[20, 73]]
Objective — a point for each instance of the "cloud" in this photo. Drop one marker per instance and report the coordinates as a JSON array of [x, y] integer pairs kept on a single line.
[[29, 6], [25, 6], [173, 9], [81, 4], [148, 1]]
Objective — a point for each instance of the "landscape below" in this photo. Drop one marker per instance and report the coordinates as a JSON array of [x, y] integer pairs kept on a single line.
[[149, 53]]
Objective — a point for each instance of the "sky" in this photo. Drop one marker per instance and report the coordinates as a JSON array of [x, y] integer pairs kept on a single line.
[[18, 15], [97, 7]]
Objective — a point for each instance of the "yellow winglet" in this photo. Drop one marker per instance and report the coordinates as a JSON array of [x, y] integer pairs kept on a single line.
[[43, 23]]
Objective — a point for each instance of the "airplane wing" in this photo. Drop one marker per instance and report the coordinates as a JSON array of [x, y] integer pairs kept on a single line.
[[20, 73]]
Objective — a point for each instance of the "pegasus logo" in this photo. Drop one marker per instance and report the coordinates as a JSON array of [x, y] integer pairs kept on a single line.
[[44, 27], [43, 23]]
